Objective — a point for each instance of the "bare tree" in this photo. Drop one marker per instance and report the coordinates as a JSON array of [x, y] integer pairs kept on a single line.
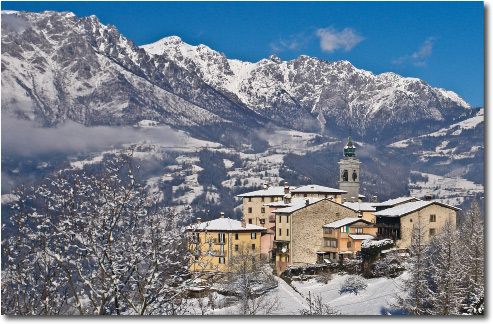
[[318, 307], [92, 244]]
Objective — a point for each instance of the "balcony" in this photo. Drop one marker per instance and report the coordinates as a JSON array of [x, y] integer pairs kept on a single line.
[[330, 249]]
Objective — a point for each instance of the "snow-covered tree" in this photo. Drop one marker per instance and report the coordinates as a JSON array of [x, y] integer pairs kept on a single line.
[[414, 291], [472, 244], [446, 271], [92, 244], [318, 307], [353, 285], [250, 279]]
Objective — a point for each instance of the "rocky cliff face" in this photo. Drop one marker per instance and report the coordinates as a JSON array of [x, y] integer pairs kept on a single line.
[[58, 67]]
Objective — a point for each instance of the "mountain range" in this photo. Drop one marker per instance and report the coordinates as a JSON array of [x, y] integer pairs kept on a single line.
[[58, 67]]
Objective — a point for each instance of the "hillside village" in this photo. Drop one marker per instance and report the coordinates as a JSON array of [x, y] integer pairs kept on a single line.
[[314, 225]]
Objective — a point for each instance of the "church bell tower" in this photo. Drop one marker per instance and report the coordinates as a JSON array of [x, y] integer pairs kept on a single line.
[[349, 171]]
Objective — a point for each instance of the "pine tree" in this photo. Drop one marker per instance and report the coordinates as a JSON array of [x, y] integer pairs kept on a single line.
[[414, 293], [472, 242], [446, 271]]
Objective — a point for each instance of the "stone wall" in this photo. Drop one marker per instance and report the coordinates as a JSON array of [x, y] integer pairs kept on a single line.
[[307, 231]]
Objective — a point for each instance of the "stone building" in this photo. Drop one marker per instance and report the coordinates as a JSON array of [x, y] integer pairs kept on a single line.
[[397, 222], [349, 172], [299, 232]]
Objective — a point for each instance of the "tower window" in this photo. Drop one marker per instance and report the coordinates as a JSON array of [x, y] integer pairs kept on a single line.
[[355, 175], [345, 175]]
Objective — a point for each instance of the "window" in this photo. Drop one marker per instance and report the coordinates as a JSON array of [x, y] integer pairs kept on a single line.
[[220, 237], [344, 229], [305, 195], [433, 218], [358, 230], [253, 247], [327, 230], [287, 219], [271, 199], [254, 235], [262, 210], [250, 210], [236, 247], [262, 221], [330, 242], [221, 260], [250, 221], [280, 232], [263, 199], [249, 199], [348, 244], [432, 232], [410, 220], [326, 195], [287, 232], [236, 236]]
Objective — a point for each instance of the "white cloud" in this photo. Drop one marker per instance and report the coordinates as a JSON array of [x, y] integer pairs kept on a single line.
[[293, 42], [419, 57], [331, 39]]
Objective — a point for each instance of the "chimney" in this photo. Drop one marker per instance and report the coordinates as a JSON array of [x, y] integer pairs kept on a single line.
[[428, 197], [331, 198], [307, 202], [360, 216], [286, 188], [353, 199], [222, 214], [243, 222], [287, 198], [198, 220], [344, 199], [374, 199]]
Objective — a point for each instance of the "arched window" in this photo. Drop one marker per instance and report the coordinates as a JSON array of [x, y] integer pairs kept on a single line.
[[345, 175], [355, 175]]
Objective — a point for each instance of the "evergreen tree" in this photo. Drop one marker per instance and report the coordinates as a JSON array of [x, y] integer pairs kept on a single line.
[[446, 271], [472, 242], [415, 294]]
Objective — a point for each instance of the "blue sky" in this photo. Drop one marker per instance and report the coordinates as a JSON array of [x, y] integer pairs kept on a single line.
[[439, 42]]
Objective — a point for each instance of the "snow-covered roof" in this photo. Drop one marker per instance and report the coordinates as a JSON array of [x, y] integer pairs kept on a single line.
[[361, 236], [393, 202], [361, 196], [278, 203], [297, 203], [271, 191], [317, 188], [359, 206], [344, 222], [410, 207], [224, 224]]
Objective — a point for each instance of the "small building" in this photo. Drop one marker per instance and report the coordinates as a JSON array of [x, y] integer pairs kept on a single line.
[[397, 222], [342, 238], [213, 243]]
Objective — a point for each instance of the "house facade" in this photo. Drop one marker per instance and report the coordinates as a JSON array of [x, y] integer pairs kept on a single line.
[[299, 232], [397, 223], [342, 238], [213, 243]]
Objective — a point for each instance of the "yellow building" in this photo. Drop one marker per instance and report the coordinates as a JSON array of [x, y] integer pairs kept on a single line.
[[214, 243], [254, 211], [397, 223], [343, 238]]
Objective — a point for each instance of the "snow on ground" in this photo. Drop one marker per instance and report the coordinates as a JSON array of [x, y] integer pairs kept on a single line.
[[449, 190], [374, 300], [79, 165]]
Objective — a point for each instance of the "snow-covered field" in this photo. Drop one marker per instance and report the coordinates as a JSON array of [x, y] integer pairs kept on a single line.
[[376, 299]]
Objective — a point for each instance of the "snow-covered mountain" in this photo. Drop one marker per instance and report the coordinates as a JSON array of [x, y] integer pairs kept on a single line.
[[306, 92], [58, 67]]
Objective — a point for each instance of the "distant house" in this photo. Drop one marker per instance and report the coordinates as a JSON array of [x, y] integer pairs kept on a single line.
[[393, 202], [214, 242], [254, 210], [397, 222], [365, 209], [342, 238]]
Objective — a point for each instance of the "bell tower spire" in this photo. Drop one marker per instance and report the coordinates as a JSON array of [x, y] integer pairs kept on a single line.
[[349, 171]]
